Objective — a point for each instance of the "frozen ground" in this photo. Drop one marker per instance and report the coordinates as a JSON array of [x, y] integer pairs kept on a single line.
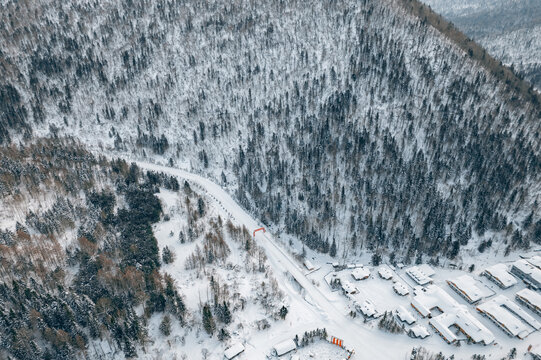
[[314, 305]]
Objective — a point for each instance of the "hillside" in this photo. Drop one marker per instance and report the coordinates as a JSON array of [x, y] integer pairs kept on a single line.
[[100, 259], [509, 30], [353, 121]]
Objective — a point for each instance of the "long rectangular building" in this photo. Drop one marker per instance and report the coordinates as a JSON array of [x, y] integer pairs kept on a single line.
[[498, 274], [527, 272], [466, 287], [509, 317], [531, 299]]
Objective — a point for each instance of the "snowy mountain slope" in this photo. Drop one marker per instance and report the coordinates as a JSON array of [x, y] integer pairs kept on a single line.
[[348, 120], [509, 30]]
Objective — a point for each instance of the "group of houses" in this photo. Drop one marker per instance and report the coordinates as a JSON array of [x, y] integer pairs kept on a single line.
[[509, 317], [446, 315]]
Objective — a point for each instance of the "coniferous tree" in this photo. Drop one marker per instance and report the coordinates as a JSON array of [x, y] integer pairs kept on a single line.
[[208, 320]]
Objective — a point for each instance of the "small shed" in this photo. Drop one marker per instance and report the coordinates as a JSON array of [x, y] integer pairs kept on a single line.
[[284, 347], [308, 264], [233, 351]]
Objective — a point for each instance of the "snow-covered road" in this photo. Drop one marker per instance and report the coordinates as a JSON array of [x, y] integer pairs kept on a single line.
[[368, 343]]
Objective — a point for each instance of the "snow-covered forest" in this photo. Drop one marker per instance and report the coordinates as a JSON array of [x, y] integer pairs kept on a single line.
[[509, 30], [348, 129], [353, 121]]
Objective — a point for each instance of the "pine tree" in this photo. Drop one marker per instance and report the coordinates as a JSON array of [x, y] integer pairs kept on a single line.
[[332, 252], [283, 312], [168, 256], [208, 320], [165, 326]]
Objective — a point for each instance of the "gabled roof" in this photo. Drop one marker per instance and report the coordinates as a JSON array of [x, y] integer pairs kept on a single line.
[[530, 296], [419, 331], [360, 273], [467, 286], [233, 351], [499, 271], [405, 315], [400, 288], [284, 347], [385, 273], [510, 316]]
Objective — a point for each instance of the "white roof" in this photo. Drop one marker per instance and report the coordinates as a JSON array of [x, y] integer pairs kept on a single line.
[[405, 315], [401, 288], [348, 287], [453, 313], [284, 347], [467, 322], [529, 269], [535, 261], [532, 297], [233, 351], [511, 316], [385, 273], [418, 275], [308, 264], [426, 269], [369, 309], [360, 273], [468, 287], [419, 331], [499, 271]]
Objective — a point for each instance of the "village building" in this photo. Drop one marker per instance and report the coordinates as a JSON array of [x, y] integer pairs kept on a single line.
[[348, 287], [446, 314], [385, 273], [368, 309], [509, 317], [466, 287], [360, 273], [308, 264], [233, 351], [404, 315], [420, 274], [530, 274], [535, 261], [531, 299], [500, 276], [418, 331], [284, 347], [400, 289]]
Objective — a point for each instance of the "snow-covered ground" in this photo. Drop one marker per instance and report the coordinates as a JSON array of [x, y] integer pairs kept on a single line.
[[313, 304]]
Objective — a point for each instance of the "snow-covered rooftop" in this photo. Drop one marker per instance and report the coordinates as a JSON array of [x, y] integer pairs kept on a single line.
[[308, 264], [348, 287], [509, 316], [400, 289], [420, 277], [404, 315], [385, 273], [368, 309], [453, 314], [284, 347], [419, 331], [531, 297], [466, 287], [233, 351], [525, 267], [360, 273], [535, 261], [500, 275]]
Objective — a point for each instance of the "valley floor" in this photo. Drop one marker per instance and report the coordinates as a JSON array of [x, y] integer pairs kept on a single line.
[[312, 303]]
